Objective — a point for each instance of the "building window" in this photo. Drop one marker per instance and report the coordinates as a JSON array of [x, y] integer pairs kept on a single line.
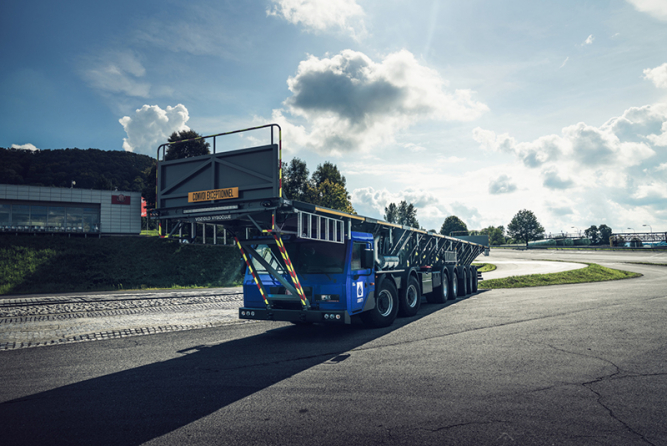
[[4, 216], [21, 216], [91, 220], [56, 218], [38, 217], [41, 218], [75, 219]]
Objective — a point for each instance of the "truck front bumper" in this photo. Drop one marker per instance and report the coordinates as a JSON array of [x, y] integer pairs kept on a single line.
[[306, 316]]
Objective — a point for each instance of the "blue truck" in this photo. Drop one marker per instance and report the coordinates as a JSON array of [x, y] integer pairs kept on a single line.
[[306, 263]]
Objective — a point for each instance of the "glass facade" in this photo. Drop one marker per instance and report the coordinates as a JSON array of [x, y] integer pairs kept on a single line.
[[41, 218]]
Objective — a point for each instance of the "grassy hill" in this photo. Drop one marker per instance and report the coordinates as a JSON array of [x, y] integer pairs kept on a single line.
[[43, 264]]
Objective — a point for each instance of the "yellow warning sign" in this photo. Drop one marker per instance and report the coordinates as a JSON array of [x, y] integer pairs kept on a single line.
[[215, 194]]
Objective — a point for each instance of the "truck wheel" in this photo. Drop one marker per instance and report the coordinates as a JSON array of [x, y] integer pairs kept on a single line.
[[454, 286], [473, 272], [411, 299], [440, 293], [386, 307], [463, 282]]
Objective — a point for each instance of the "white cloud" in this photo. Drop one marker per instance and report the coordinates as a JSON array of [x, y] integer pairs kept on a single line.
[[322, 15], [660, 140], [589, 40], [117, 72], [552, 180], [502, 185], [431, 211], [151, 126], [352, 102], [657, 75], [28, 146], [376, 200], [612, 173], [656, 8], [623, 140], [564, 62]]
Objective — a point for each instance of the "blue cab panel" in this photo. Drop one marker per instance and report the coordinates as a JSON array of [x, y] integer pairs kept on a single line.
[[331, 275]]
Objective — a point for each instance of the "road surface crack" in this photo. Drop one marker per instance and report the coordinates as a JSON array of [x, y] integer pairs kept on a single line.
[[599, 398]]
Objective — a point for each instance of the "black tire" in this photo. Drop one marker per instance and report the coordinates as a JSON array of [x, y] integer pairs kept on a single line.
[[454, 286], [410, 298], [440, 293], [386, 307], [463, 283], [475, 281]]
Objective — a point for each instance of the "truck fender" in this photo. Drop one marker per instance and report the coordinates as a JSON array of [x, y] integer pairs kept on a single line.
[[370, 300]]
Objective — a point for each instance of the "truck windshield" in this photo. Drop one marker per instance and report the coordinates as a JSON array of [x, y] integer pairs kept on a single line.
[[317, 257], [271, 255], [307, 258]]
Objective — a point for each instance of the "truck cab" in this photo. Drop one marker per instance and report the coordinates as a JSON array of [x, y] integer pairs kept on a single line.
[[337, 279]]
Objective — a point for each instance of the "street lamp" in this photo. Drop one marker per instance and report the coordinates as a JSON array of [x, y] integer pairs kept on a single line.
[[632, 229], [649, 227], [578, 231]]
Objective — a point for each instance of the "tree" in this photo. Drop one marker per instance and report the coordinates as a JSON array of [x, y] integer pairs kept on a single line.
[[193, 145], [452, 224], [149, 190], [325, 188], [605, 234], [334, 196], [403, 214], [593, 234], [296, 185], [391, 213], [328, 171], [525, 227], [496, 235], [407, 215]]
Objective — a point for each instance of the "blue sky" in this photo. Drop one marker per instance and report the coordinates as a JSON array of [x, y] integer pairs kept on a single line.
[[477, 109]]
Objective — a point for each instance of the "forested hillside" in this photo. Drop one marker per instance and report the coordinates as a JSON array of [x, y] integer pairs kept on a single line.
[[90, 169]]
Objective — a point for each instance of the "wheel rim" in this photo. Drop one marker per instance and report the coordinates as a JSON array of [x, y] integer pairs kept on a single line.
[[455, 285], [385, 303], [412, 296], [445, 289]]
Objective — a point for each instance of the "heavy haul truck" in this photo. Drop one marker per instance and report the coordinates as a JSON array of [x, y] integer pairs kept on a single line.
[[305, 263]]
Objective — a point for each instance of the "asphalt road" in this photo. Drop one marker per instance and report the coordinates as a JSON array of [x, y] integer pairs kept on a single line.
[[574, 364]]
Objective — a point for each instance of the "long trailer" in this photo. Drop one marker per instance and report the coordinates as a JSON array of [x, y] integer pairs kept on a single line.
[[306, 263]]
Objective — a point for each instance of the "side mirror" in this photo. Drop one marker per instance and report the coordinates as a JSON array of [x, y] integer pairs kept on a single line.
[[367, 258]]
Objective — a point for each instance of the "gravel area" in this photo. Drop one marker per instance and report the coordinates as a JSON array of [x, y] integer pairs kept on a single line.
[[48, 320]]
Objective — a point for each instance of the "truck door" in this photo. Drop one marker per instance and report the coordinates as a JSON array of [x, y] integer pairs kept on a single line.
[[360, 279]]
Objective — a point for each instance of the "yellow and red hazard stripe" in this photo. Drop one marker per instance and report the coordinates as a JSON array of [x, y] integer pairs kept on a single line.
[[252, 271], [290, 269]]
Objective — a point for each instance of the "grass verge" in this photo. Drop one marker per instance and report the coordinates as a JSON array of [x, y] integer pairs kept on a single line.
[[42, 264], [592, 273], [485, 267]]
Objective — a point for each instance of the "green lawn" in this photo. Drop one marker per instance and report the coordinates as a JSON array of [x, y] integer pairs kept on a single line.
[[592, 273], [485, 267]]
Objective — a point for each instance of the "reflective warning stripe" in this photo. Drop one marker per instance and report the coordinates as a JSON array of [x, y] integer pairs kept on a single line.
[[290, 269], [252, 271]]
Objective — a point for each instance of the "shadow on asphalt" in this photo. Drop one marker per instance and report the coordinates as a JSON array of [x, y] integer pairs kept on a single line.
[[137, 405]]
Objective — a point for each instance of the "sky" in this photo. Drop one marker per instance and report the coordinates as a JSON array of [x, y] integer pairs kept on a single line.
[[477, 109]]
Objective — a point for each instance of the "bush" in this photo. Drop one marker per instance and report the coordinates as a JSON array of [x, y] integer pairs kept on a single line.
[[41, 264]]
